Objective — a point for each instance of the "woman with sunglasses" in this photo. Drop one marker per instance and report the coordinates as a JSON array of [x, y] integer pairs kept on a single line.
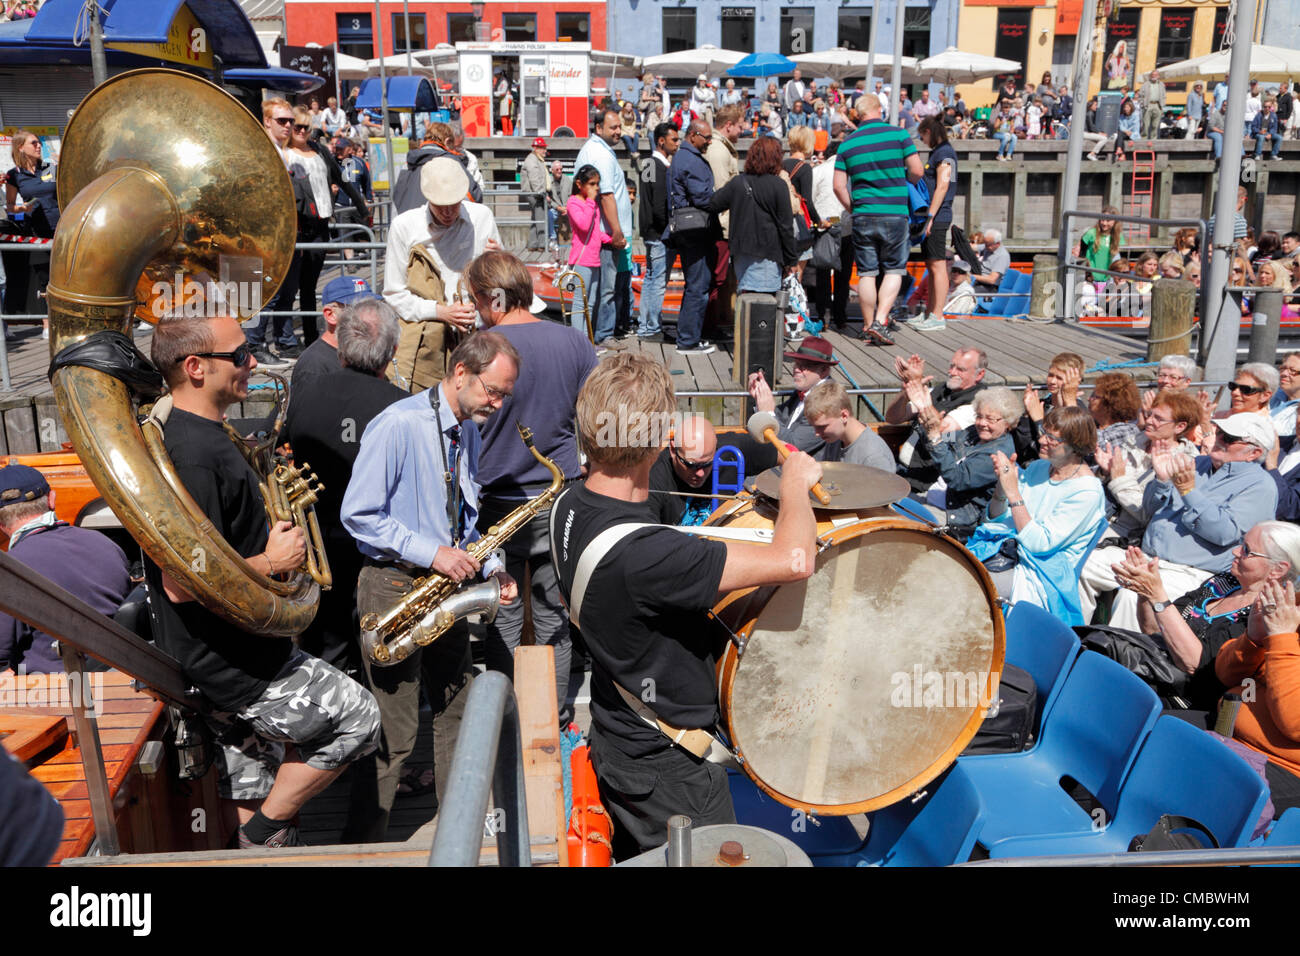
[[1042, 518], [33, 180], [310, 161], [1252, 387], [1192, 629]]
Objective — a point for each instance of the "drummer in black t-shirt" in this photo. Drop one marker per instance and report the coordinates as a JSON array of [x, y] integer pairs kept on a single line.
[[266, 692], [641, 607], [681, 471]]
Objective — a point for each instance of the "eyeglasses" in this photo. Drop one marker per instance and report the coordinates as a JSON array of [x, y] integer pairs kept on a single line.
[[496, 394], [1047, 436], [240, 356], [702, 465], [1247, 553], [300, 127], [282, 120], [1245, 389]]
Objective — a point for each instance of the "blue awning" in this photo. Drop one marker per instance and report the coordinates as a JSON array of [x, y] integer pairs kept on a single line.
[[274, 78], [229, 31], [404, 93]]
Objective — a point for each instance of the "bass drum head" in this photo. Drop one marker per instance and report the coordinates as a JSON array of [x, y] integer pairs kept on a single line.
[[861, 684]]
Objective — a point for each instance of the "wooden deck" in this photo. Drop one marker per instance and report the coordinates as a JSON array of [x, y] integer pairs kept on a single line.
[[150, 807], [1018, 352]]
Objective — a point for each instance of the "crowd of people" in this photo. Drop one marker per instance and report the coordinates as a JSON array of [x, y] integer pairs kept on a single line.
[[1152, 512], [1123, 285]]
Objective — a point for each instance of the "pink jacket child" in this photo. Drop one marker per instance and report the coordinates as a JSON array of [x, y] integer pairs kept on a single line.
[[588, 232]]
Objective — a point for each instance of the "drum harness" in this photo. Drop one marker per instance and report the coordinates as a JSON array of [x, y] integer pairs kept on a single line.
[[696, 741]]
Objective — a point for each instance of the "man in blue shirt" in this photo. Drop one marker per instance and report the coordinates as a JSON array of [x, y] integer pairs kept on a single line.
[[1199, 510], [412, 505], [690, 185], [616, 217], [1264, 128]]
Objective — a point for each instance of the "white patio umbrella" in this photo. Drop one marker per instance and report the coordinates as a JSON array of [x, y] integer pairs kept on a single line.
[[1267, 64], [687, 64], [351, 67], [841, 64], [954, 66], [397, 62]]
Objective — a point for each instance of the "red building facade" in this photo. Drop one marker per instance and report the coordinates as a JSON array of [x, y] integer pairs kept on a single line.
[[351, 25]]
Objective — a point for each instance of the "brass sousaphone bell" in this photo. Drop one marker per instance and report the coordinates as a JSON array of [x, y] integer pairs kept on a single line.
[[165, 180]]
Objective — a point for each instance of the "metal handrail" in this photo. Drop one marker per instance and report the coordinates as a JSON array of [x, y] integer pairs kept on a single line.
[[1063, 258], [489, 757], [1223, 856]]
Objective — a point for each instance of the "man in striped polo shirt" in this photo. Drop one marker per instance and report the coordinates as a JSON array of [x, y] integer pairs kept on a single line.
[[872, 170]]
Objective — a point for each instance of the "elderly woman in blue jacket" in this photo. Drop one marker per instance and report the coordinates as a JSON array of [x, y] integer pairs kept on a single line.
[[1051, 510]]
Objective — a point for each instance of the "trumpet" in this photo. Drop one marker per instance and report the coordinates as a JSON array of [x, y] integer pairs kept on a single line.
[[289, 491], [564, 281]]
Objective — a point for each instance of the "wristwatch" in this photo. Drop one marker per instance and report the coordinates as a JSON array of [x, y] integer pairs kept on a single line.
[[1159, 606]]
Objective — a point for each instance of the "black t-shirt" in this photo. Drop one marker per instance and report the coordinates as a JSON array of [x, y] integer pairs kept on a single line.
[[643, 618], [230, 666], [319, 358], [1203, 685], [327, 416], [938, 155]]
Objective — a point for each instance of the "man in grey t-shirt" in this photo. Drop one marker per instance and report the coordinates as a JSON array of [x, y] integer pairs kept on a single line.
[[830, 412], [995, 261]]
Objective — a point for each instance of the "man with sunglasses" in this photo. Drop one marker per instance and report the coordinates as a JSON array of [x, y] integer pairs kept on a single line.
[[684, 469], [412, 505], [266, 693], [1200, 508]]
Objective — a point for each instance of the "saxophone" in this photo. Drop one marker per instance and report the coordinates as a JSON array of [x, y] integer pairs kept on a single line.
[[436, 601]]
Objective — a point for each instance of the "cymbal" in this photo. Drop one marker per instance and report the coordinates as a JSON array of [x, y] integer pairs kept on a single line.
[[851, 487]]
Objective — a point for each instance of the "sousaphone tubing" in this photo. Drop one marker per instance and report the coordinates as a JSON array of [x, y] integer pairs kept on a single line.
[[168, 186]]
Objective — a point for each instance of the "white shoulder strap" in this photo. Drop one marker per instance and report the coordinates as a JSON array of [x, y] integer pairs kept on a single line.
[[590, 559]]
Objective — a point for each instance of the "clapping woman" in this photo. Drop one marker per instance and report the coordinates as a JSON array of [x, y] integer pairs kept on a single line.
[[1042, 519], [1194, 628]]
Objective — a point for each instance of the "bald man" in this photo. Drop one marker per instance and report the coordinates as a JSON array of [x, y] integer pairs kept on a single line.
[[684, 469]]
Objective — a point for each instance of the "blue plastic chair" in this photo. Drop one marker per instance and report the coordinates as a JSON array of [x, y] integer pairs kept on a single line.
[[1180, 770], [1092, 734], [824, 836], [728, 456], [940, 829], [1045, 647], [1286, 830], [1023, 283]]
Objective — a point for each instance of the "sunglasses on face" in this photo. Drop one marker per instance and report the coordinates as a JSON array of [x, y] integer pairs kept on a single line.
[[702, 465], [282, 120], [1244, 389], [240, 356], [300, 128]]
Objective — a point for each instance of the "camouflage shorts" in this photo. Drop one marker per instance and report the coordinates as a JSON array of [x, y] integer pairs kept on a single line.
[[329, 718]]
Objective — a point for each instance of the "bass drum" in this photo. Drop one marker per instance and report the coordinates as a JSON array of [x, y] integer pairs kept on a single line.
[[853, 689]]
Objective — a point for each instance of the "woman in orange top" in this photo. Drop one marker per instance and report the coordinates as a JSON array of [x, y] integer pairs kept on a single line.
[[1263, 665]]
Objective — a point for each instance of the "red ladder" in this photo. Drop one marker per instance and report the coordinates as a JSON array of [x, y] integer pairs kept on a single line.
[[1138, 201]]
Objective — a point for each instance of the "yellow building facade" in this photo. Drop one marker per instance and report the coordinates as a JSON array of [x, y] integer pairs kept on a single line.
[[1042, 35]]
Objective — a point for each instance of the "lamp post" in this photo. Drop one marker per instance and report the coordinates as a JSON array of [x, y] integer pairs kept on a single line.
[[479, 32]]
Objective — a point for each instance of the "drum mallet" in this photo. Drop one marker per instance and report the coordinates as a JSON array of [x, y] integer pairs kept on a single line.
[[762, 427]]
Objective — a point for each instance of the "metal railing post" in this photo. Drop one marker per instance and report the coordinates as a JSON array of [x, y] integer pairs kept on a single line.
[[489, 756]]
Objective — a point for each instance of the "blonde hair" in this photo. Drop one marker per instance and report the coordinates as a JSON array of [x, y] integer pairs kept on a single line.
[[1173, 260], [625, 411], [827, 398], [1067, 360], [21, 138], [1279, 274], [801, 139]]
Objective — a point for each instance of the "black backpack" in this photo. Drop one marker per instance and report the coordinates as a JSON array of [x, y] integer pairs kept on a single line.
[[1013, 718]]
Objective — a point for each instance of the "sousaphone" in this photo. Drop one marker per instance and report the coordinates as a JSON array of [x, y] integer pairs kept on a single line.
[[166, 184]]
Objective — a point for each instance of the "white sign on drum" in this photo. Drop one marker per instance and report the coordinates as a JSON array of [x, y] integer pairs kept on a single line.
[[568, 75], [475, 74]]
